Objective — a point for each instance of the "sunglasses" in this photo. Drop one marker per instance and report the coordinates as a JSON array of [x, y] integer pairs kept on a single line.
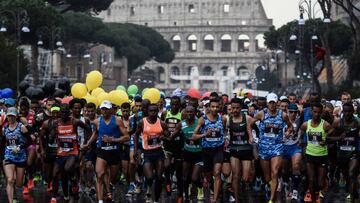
[[292, 111]]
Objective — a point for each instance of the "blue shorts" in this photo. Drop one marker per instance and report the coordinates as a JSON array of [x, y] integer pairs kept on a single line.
[[269, 151], [290, 151]]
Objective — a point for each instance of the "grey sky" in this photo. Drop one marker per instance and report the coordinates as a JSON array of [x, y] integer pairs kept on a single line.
[[281, 11]]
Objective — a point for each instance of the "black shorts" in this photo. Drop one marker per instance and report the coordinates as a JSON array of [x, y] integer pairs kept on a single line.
[[212, 156], [227, 156], [343, 161], [318, 161], [194, 158], [125, 153], [242, 154], [17, 164], [153, 155], [90, 155], [61, 160], [50, 159], [112, 157]]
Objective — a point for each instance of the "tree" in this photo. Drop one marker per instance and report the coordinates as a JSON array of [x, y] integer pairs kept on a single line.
[[8, 72], [81, 5], [351, 10], [337, 33], [137, 43]]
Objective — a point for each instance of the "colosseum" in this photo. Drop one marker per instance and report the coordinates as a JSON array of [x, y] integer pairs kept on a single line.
[[216, 42]]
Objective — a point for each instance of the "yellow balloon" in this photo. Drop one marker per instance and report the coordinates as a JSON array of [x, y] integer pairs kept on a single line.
[[118, 97], [95, 92], [78, 90], [93, 79], [152, 94], [103, 96], [91, 99]]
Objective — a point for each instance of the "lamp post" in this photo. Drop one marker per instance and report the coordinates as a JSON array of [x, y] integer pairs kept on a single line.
[[54, 34], [21, 19]]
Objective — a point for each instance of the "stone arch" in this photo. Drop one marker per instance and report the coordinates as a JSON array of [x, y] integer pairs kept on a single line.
[[192, 43], [260, 43], [160, 74], [243, 43], [242, 70], [226, 43], [175, 70], [224, 70], [207, 70], [176, 42], [209, 42]]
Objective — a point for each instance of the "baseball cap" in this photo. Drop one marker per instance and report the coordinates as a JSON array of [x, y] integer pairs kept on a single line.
[[12, 111], [10, 102], [293, 107], [106, 104], [271, 97], [283, 98]]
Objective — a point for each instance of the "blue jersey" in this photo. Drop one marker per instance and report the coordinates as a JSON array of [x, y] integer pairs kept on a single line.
[[111, 130], [271, 128], [15, 139], [216, 139]]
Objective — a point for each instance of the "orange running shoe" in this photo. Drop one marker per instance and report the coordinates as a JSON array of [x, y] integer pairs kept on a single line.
[[53, 200], [25, 190], [31, 184], [307, 197]]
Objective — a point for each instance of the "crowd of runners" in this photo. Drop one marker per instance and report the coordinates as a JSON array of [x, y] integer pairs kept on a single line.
[[204, 148]]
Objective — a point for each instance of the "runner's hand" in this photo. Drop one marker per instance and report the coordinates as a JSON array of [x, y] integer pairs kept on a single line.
[[106, 139]]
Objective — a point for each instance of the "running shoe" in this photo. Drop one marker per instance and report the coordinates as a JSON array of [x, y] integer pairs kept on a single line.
[[270, 201], [92, 191], [148, 192], [280, 185], [200, 194], [67, 198], [31, 184], [321, 194], [231, 198], [53, 200], [37, 178], [342, 182], [307, 197], [131, 190], [294, 195], [108, 197], [25, 190], [49, 188], [257, 185], [348, 197], [268, 191], [168, 189]]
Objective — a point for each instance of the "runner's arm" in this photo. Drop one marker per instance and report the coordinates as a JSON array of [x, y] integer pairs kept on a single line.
[[249, 128], [196, 135], [165, 129], [137, 134], [123, 130], [301, 133], [44, 127], [337, 134], [94, 135], [328, 130]]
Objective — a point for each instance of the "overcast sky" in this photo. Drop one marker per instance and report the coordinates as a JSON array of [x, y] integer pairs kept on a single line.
[[281, 11]]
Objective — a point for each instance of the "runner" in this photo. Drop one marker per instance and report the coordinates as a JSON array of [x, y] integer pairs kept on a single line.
[[192, 163], [173, 147], [292, 155], [152, 130], [48, 145], [316, 152], [347, 134], [27, 117], [67, 160], [272, 121], [210, 130], [15, 152], [125, 148], [240, 146], [110, 133]]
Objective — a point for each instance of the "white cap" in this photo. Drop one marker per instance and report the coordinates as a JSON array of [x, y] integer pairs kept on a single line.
[[271, 97], [106, 104], [283, 98]]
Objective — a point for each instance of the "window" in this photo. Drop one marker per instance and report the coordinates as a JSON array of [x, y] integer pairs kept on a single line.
[[243, 43], [226, 8], [176, 43], [160, 9], [132, 10], [175, 71], [260, 43], [207, 71], [208, 22], [224, 70], [192, 43], [108, 12], [161, 74], [191, 8], [226, 43], [146, 24], [209, 43]]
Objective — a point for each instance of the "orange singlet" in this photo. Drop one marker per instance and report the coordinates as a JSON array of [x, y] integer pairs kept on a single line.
[[67, 140], [151, 135]]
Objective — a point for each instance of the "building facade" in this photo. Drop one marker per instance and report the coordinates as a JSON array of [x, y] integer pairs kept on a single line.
[[216, 37]]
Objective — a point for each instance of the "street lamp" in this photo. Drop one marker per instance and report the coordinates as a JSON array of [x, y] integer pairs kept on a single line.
[[54, 34], [21, 19]]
